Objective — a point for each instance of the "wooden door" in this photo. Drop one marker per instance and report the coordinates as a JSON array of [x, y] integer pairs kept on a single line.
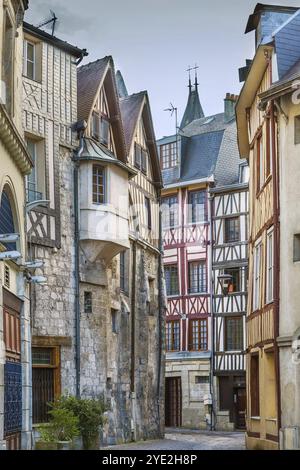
[[240, 408], [173, 402]]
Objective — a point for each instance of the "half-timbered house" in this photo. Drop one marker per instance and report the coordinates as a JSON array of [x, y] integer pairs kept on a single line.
[[120, 292], [15, 164], [230, 275], [268, 134], [204, 154]]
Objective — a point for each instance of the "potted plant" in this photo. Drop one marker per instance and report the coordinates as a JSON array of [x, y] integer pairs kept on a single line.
[[90, 414], [59, 433]]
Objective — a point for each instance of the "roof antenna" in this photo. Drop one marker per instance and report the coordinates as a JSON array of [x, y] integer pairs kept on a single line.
[[51, 23]]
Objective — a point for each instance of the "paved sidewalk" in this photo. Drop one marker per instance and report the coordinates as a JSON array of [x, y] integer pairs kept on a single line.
[[186, 439]]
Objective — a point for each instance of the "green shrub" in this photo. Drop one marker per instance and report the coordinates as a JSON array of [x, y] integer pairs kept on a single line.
[[63, 426]]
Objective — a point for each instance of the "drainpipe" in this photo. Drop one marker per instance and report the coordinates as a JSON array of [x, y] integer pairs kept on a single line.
[[211, 289], [132, 358], [160, 314], [80, 127], [276, 258]]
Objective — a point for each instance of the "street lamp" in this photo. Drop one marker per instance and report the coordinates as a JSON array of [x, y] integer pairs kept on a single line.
[[225, 281]]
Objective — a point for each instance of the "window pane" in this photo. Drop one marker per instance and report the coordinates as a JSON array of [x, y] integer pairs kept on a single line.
[[170, 212], [30, 52], [104, 137], [197, 277], [197, 207], [98, 185], [234, 334], [234, 285], [232, 230], [171, 276], [198, 335]]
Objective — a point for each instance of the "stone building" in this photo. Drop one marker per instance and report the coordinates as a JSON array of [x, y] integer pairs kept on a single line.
[[15, 164], [202, 156], [268, 133], [120, 275], [49, 111]]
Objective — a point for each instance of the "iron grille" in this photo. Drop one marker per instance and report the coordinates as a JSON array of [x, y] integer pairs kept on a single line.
[[12, 398]]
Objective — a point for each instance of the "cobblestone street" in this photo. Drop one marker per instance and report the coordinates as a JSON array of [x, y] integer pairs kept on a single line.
[[184, 439]]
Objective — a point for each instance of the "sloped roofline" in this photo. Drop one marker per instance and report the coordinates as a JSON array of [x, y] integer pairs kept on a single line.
[[59, 43], [145, 105], [110, 72], [260, 7]]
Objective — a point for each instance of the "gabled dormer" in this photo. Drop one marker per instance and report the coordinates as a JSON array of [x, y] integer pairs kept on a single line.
[[143, 158], [98, 105]]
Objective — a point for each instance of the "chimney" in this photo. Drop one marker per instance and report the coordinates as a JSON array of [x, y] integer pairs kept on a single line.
[[229, 106]]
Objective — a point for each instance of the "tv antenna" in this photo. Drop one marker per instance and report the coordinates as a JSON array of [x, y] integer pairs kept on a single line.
[[172, 110], [50, 23]]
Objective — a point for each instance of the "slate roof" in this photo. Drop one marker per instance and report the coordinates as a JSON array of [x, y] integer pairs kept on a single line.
[[287, 43], [208, 147], [130, 110], [89, 77]]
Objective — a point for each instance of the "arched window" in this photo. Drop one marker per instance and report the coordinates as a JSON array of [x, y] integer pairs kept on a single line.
[[7, 220]]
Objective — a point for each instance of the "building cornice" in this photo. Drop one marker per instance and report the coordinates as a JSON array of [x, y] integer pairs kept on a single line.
[[14, 143]]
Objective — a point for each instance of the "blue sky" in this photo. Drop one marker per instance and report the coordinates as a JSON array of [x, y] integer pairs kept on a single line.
[[154, 41]]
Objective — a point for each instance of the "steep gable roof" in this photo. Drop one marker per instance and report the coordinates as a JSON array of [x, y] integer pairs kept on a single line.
[[91, 78], [133, 108]]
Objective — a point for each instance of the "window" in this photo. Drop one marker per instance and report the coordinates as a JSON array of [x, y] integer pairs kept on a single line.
[[7, 224], [232, 230], [124, 271], [171, 276], [296, 255], [144, 161], [234, 336], [269, 149], [197, 207], [260, 163], [45, 381], [202, 379], [197, 277], [96, 126], [168, 155], [244, 173], [169, 212], [88, 302], [198, 335], [270, 266], [257, 276], [29, 60], [137, 156], [104, 131], [297, 130], [114, 321], [36, 180], [234, 284], [173, 336], [254, 385], [98, 184], [148, 213], [6, 276]]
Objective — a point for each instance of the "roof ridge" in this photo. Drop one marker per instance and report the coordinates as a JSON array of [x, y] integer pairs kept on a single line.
[[107, 58], [134, 94]]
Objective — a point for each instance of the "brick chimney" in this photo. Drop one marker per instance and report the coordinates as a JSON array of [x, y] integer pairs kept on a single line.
[[229, 106]]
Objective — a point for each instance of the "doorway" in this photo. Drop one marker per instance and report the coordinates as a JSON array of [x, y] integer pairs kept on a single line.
[[173, 402], [240, 408]]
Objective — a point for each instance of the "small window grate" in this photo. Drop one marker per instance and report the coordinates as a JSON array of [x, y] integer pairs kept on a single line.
[[88, 302], [199, 379], [7, 277]]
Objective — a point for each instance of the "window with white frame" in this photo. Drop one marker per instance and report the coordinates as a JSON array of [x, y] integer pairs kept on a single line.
[[270, 266], [36, 179], [257, 276], [29, 64]]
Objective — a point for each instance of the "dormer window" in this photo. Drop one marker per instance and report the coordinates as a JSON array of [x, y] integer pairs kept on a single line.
[[144, 161], [168, 155], [100, 129], [137, 156]]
